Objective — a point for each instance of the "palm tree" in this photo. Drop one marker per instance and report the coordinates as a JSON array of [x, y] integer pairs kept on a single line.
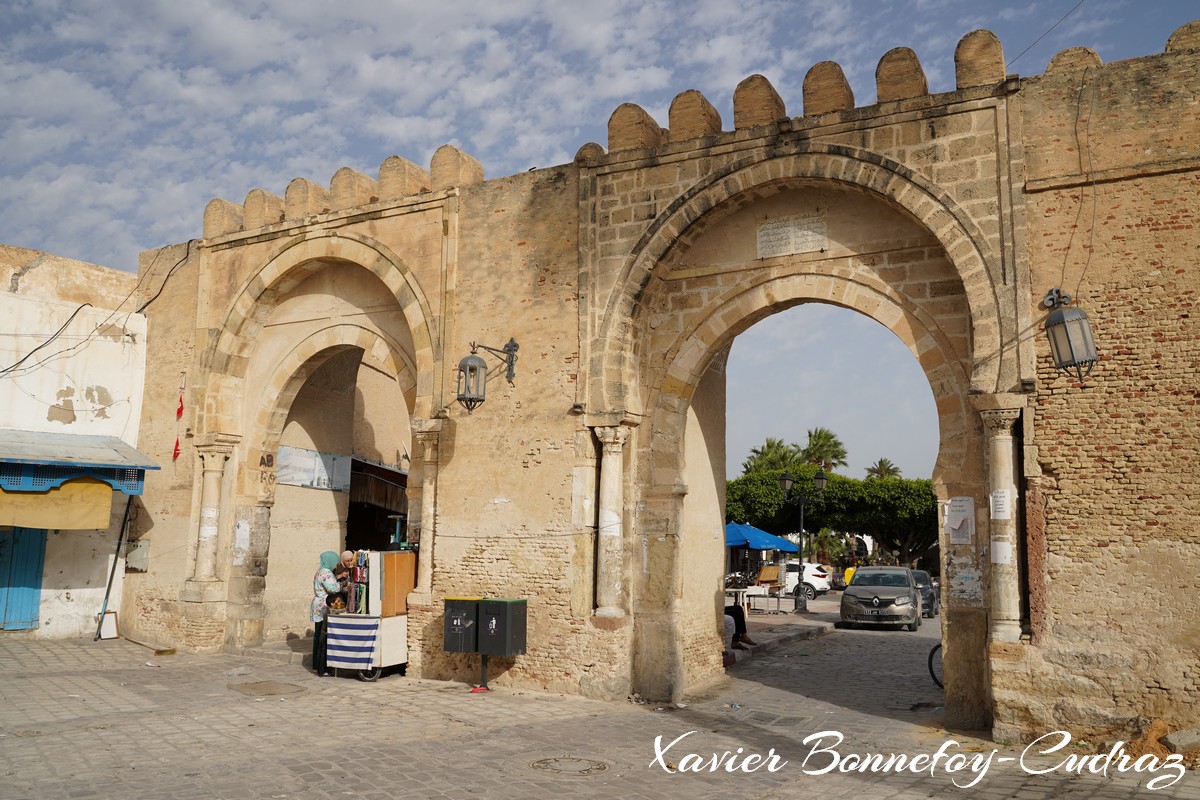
[[773, 455], [825, 449], [883, 468]]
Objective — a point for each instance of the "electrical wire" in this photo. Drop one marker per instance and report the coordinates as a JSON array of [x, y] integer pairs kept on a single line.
[[29, 355], [1047, 33], [96, 330]]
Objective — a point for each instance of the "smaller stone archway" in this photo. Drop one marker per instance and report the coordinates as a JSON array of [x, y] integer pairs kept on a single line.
[[255, 374], [251, 593]]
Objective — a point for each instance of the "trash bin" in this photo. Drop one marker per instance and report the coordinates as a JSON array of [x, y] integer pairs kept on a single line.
[[460, 634], [502, 624]]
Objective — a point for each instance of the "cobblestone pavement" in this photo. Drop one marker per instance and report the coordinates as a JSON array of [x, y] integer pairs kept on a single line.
[[83, 719]]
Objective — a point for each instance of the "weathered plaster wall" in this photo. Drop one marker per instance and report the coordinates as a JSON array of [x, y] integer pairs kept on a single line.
[[75, 388]]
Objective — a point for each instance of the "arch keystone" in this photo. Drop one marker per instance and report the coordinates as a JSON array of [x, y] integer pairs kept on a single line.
[[692, 117], [826, 89], [899, 76], [630, 127], [979, 60], [755, 103]]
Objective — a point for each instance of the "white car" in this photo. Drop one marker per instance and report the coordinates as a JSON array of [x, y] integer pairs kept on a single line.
[[816, 579]]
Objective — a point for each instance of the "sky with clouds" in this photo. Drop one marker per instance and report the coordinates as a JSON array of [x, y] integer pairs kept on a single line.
[[123, 118]]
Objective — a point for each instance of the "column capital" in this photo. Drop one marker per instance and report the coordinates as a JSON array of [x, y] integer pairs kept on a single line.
[[428, 440], [999, 420], [613, 437]]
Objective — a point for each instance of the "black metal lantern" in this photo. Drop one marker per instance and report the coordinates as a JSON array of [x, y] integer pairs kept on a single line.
[[819, 480], [1070, 335], [472, 381], [472, 373]]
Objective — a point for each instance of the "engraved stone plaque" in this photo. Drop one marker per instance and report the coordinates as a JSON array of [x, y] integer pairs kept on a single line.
[[795, 234]]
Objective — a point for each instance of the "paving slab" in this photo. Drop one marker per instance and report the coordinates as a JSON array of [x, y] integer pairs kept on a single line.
[[109, 719]]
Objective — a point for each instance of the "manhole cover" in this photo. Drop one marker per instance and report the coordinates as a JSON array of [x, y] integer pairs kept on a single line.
[[568, 765], [265, 688]]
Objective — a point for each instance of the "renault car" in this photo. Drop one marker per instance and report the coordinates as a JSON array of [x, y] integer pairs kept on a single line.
[[882, 596]]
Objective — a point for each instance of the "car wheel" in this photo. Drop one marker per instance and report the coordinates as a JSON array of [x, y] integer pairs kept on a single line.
[[810, 592], [936, 610], [912, 626]]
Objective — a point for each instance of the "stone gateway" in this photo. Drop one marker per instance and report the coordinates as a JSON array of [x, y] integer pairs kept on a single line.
[[330, 321]]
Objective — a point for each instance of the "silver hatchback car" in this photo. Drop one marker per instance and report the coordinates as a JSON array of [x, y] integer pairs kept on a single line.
[[882, 596]]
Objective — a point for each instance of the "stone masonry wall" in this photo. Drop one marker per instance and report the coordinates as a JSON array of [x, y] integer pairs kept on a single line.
[[1117, 638]]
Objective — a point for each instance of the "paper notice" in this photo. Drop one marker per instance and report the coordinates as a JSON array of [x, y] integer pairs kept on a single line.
[[960, 520]]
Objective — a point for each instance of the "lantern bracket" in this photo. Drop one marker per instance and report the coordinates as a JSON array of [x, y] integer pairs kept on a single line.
[[507, 354]]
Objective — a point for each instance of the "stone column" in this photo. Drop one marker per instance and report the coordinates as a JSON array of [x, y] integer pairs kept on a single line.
[[428, 440], [204, 583], [1003, 502], [611, 512]]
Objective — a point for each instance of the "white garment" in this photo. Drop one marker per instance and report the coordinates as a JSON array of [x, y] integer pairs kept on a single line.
[[729, 629]]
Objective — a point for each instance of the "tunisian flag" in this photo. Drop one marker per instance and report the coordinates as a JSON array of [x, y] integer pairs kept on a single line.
[[178, 416]]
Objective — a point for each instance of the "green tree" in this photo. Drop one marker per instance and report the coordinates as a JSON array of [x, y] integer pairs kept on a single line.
[[825, 449], [829, 545], [901, 515], [774, 454], [883, 468]]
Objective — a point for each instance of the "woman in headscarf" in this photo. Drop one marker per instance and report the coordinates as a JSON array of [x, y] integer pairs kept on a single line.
[[324, 584]]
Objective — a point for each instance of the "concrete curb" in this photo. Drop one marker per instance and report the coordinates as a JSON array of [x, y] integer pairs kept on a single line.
[[806, 630]]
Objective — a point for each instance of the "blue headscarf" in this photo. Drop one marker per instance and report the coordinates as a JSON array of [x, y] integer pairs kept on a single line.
[[329, 559]]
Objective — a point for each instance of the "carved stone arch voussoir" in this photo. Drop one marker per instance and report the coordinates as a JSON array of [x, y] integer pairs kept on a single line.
[[296, 260], [678, 370], [290, 372], [964, 243]]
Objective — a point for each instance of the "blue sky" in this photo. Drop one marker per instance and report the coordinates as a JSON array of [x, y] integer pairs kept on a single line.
[[123, 118]]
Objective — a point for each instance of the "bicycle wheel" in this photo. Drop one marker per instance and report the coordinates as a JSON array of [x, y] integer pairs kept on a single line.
[[935, 664]]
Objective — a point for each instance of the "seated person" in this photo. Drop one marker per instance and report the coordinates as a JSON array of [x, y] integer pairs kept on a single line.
[[740, 638]]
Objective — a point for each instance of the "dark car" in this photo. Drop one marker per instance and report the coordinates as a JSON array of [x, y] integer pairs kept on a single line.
[[931, 600], [882, 596]]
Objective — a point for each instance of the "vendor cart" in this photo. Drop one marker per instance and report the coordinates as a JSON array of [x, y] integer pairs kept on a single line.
[[372, 634]]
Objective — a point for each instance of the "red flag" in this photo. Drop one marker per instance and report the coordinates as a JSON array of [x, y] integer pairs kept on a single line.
[[175, 455], [179, 411]]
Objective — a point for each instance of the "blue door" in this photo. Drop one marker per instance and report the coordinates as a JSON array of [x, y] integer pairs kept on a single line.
[[22, 551]]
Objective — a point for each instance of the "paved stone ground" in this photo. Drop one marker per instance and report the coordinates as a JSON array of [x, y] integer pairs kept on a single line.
[[83, 719]]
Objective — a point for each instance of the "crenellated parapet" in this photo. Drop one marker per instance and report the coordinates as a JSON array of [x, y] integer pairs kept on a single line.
[[899, 77], [398, 179]]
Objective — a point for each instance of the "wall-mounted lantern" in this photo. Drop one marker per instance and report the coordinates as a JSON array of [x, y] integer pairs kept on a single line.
[[1070, 334], [472, 373]]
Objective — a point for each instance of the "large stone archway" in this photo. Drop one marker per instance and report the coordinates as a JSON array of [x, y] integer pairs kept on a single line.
[[677, 307]]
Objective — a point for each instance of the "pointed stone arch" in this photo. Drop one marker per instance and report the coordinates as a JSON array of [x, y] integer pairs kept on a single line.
[[965, 245], [295, 261], [288, 375]]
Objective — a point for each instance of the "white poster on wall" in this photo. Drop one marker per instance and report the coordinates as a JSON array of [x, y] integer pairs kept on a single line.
[[1001, 501], [960, 520]]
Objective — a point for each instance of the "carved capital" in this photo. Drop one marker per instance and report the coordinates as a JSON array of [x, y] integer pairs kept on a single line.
[[428, 441], [999, 421], [612, 438]]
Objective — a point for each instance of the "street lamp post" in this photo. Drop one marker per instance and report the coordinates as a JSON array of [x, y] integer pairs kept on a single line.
[[786, 481]]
